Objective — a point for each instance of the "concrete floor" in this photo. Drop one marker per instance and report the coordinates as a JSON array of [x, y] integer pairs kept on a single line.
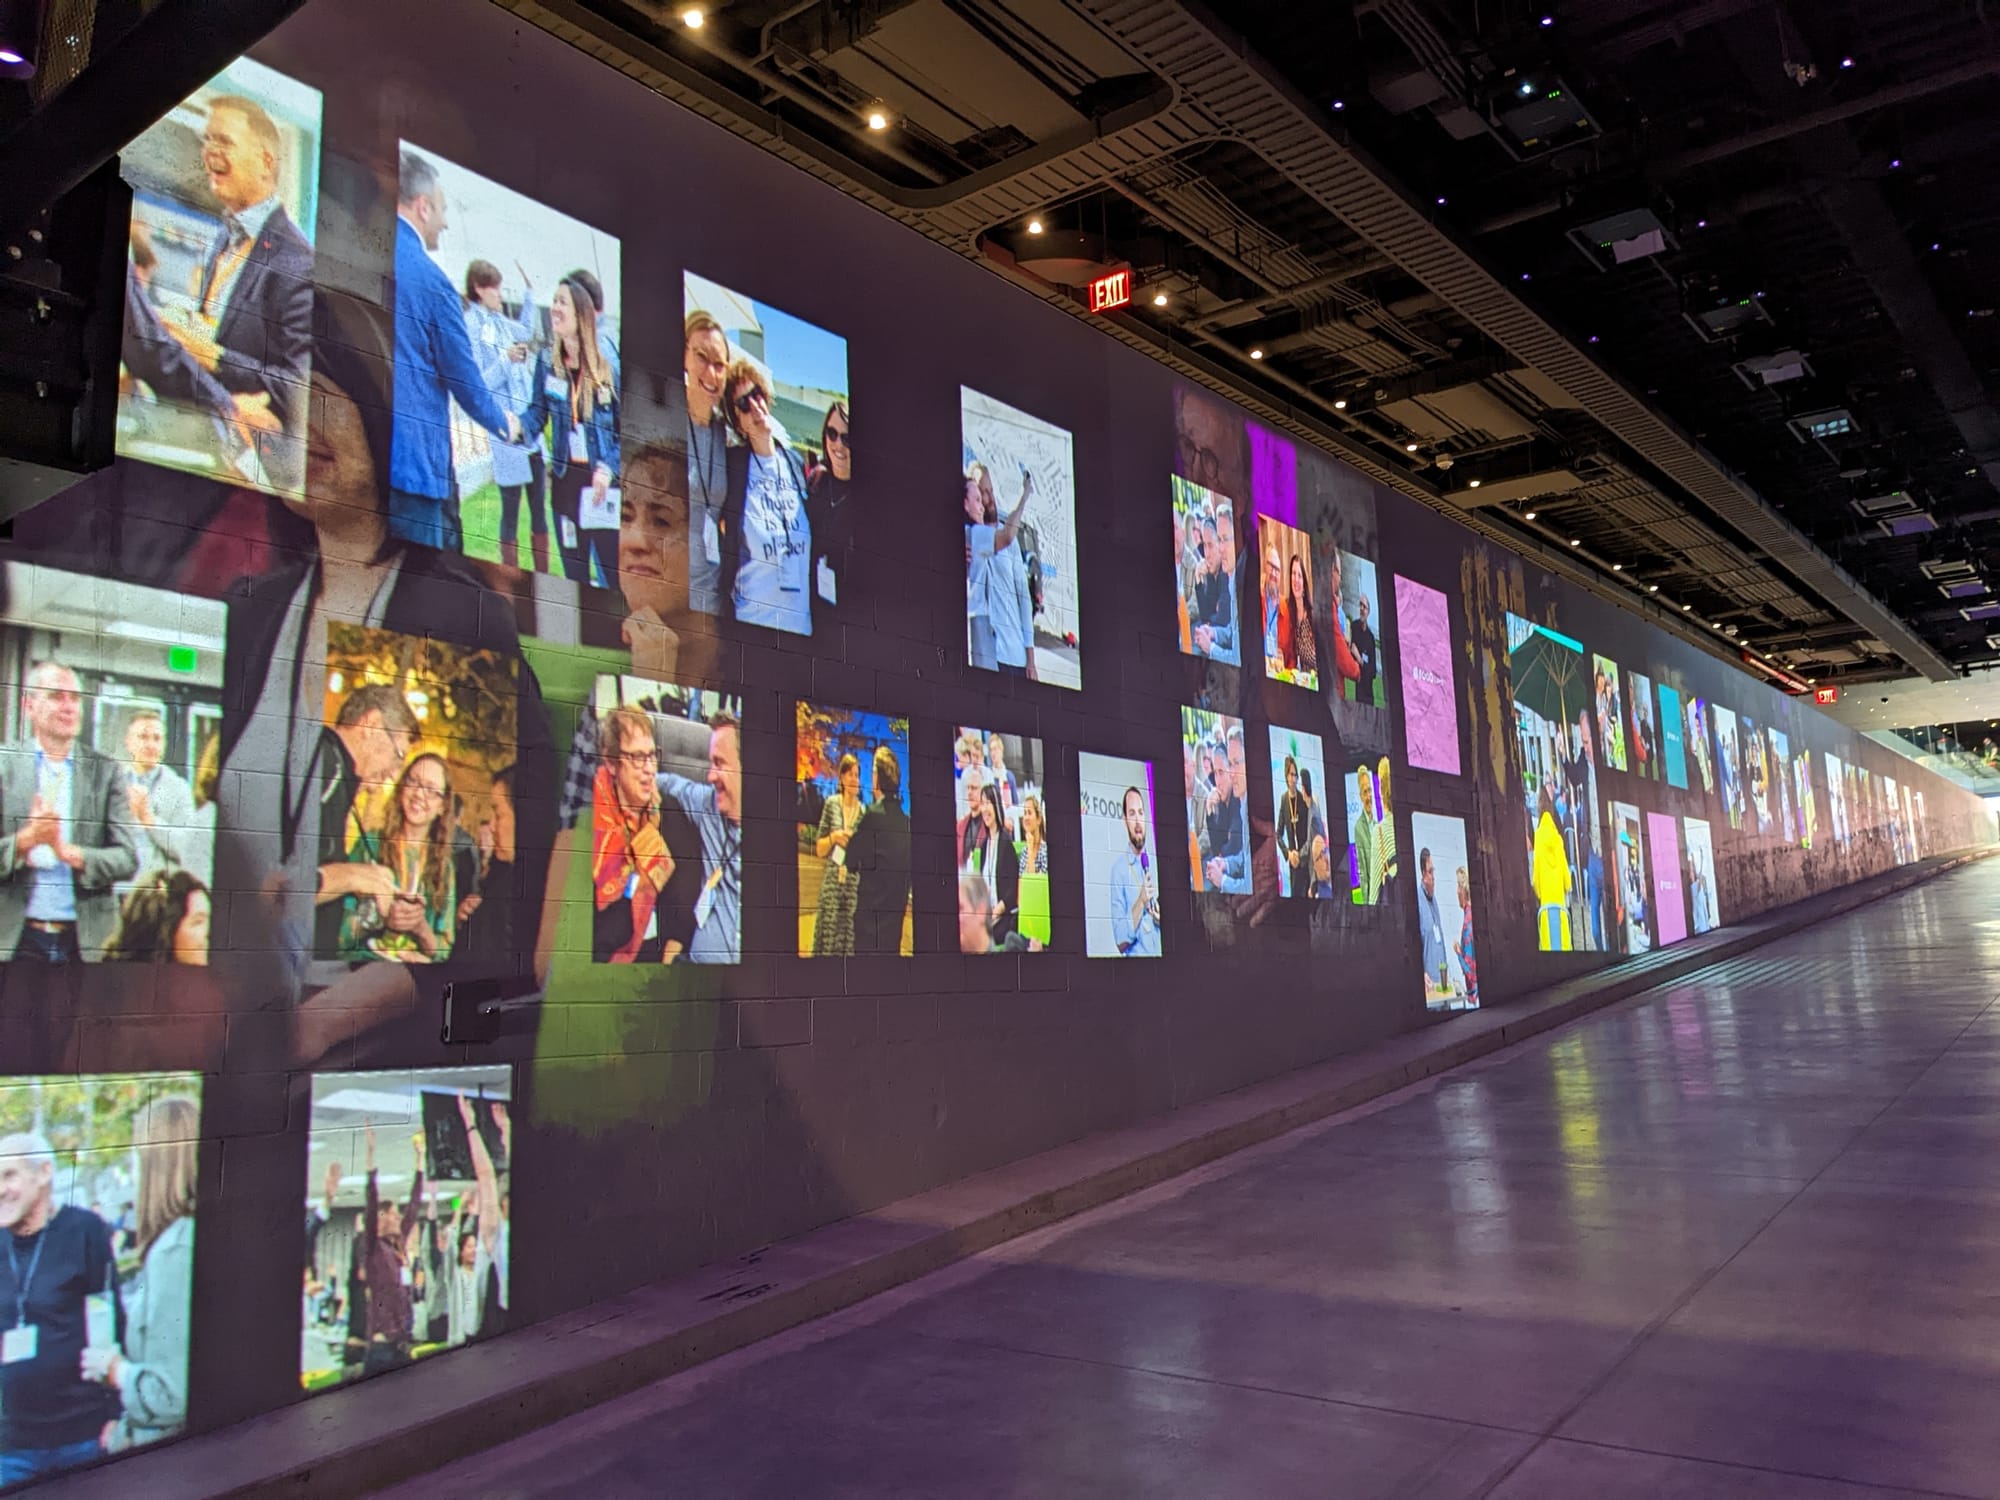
[[1731, 1239]]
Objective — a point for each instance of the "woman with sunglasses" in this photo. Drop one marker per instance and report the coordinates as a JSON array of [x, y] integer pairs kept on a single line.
[[414, 845], [831, 512], [767, 542]]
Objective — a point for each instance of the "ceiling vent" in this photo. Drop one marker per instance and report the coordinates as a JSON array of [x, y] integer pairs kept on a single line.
[[1886, 506], [1764, 370]]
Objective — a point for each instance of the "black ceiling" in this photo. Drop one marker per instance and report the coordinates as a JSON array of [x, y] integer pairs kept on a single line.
[[1831, 161]]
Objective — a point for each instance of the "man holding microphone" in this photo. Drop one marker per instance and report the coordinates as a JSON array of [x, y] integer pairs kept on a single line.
[[1135, 900]]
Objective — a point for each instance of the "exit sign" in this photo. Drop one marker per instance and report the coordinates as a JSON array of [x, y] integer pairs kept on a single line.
[[1826, 695], [1112, 289]]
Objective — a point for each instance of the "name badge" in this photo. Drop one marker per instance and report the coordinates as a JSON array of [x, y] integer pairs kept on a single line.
[[18, 1345], [579, 450], [827, 588], [711, 546]]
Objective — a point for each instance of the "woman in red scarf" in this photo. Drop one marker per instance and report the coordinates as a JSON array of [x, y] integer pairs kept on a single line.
[[630, 864]]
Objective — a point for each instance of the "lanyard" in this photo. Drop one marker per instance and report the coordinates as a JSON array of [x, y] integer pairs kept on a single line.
[[698, 463], [22, 1283]]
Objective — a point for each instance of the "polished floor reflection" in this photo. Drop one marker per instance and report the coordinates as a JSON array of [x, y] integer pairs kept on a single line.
[[1734, 1238]]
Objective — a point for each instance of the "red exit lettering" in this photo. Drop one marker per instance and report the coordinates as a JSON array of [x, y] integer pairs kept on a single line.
[[1113, 289]]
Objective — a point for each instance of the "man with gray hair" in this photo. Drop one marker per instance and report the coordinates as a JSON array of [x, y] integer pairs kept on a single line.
[[68, 830], [434, 366], [56, 1261]]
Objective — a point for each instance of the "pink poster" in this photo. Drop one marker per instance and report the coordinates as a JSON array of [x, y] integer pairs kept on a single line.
[[1669, 900], [1430, 701]]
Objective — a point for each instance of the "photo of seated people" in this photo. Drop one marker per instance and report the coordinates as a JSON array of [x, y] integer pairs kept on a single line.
[[854, 858], [1121, 864], [1358, 622], [666, 843], [769, 461], [107, 779], [507, 381], [217, 344], [407, 1218], [1444, 912], [97, 1210], [1220, 839], [1306, 857], [1021, 610], [1001, 838], [1291, 629], [1205, 572], [421, 735]]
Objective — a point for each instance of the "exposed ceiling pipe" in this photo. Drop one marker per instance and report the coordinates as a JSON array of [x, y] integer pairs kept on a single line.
[[1665, 169]]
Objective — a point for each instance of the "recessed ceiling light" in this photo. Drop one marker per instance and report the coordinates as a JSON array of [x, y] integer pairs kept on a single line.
[[692, 18], [1409, 447], [1652, 588], [1687, 606], [1341, 404], [1847, 62], [1340, 104], [1618, 567], [1576, 541], [1527, 515], [1256, 353], [1034, 226], [1473, 485], [1159, 299]]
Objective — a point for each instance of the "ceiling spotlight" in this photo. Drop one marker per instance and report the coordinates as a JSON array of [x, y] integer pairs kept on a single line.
[[1687, 606], [1256, 353], [1895, 162], [1341, 404], [1701, 223], [1593, 338], [1526, 277], [1548, 20], [1473, 485], [1729, 630], [1527, 515], [1445, 461], [10, 57], [692, 18], [1440, 202], [1034, 226], [1340, 104], [1576, 541], [1159, 299], [1409, 447], [1527, 89], [1618, 567], [878, 118], [1652, 588]]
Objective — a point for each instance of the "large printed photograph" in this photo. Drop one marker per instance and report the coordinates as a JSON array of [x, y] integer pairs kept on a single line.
[[854, 862], [666, 829], [1218, 802], [1121, 863], [98, 1206], [216, 356], [1000, 837], [408, 1211], [771, 524], [1022, 614], [108, 770], [1444, 912], [507, 376], [1557, 700]]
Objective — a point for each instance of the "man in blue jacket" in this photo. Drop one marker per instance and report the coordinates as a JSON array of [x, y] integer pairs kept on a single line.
[[434, 365]]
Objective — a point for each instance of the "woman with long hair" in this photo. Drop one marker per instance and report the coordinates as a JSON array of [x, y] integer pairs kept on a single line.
[[1034, 837], [833, 926], [830, 509], [1298, 638], [767, 536], [576, 400], [164, 920], [993, 855], [415, 846], [149, 1370]]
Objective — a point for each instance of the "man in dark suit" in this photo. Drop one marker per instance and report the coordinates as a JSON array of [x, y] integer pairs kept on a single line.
[[879, 853], [252, 328], [69, 835]]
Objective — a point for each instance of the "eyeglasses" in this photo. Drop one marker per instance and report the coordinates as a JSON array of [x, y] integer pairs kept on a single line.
[[642, 757], [753, 397], [435, 793], [837, 435]]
